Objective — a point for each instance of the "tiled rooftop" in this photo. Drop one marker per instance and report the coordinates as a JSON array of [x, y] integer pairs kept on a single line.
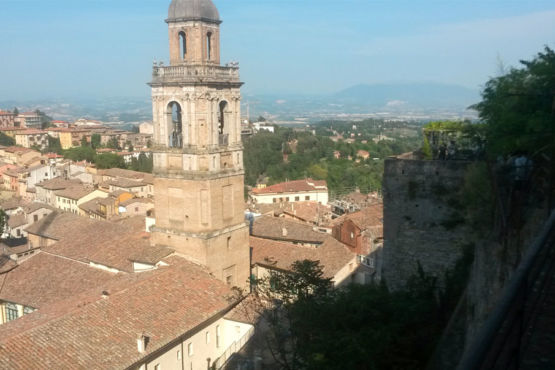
[[58, 183], [333, 255], [293, 187], [89, 331], [114, 245], [371, 216], [43, 279], [75, 192], [279, 228]]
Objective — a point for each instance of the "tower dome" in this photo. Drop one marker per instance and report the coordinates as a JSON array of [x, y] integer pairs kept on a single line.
[[193, 10]]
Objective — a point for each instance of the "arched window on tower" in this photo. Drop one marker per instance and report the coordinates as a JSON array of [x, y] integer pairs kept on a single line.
[[209, 46], [175, 125], [183, 44], [222, 129]]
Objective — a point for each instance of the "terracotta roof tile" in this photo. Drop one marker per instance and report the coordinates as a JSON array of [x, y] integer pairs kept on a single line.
[[43, 279], [371, 216], [117, 246], [89, 331], [279, 228], [58, 183], [332, 254], [74, 192], [293, 187]]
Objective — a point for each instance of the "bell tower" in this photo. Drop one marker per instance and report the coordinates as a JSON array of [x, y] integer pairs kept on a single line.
[[198, 154]]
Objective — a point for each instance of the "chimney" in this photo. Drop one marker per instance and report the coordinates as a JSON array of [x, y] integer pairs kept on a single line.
[[141, 342]]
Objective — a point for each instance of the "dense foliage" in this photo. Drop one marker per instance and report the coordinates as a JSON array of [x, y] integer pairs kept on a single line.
[[290, 155], [314, 326], [518, 108], [6, 140]]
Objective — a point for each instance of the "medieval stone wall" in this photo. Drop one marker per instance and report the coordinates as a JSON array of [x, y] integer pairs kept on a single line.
[[422, 224]]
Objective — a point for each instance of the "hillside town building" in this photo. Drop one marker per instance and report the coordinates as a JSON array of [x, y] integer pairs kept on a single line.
[[292, 191]]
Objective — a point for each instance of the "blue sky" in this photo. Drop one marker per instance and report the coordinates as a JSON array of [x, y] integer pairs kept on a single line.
[[102, 48]]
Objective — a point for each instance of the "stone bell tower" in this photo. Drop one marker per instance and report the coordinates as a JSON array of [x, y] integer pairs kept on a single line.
[[198, 154]]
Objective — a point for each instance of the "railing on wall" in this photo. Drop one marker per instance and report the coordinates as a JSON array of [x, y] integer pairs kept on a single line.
[[500, 341], [232, 349]]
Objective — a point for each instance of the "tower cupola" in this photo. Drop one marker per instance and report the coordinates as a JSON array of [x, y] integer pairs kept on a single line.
[[193, 10]]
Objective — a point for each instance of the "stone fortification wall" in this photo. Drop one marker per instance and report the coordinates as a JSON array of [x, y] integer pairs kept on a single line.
[[421, 221]]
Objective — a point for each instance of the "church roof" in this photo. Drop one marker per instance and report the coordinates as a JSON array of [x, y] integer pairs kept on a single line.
[[189, 10]]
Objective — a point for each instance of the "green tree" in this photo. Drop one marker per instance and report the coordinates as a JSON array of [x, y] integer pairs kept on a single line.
[[6, 140], [109, 160], [3, 222], [84, 142], [54, 145], [143, 163], [80, 153], [518, 108], [15, 111], [95, 141], [113, 143]]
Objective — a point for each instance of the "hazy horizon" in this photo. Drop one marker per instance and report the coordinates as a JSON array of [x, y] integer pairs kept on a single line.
[[99, 48]]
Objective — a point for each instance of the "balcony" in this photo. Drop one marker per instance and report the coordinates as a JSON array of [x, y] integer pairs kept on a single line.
[[194, 73]]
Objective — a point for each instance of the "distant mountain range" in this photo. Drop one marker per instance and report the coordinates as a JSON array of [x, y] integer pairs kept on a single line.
[[421, 95], [424, 99], [406, 101]]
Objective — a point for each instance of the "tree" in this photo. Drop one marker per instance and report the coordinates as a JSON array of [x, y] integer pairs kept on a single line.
[[81, 153], [6, 140], [15, 111], [95, 141], [518, 108], [311, 325], [3, 222], [54, 145], [282, 298], [143, 164], [113, 143], [109, 160], [84, 141]]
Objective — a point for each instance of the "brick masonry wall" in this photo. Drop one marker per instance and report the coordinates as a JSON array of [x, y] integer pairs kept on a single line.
[[420, 225]]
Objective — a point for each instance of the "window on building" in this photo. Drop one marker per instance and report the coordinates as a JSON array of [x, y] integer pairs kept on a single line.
[[297, 199], [18, 232], [178, 354], [136, 209], [35, 218], [307, 197], [218, 336], [183, 44], [207, 337], [352, 235], [190, 349], [274, 200], [27, 310], [209, 45], [11, 312], [229, 280]]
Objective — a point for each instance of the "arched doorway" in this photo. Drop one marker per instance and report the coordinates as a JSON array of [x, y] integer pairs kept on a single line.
[[174, 121], [223, 130]]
